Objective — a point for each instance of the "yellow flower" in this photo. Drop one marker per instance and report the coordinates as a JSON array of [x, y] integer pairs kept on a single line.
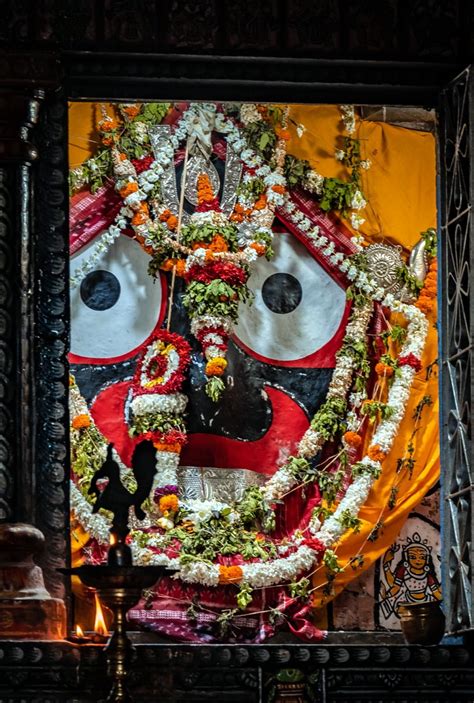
[[81, 421], [216, 366]]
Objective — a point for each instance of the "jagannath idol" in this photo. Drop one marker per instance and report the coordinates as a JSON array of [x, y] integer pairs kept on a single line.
[[220, 310]]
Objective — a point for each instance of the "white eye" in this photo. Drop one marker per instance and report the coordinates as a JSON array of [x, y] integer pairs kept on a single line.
[[298, 307], [116, 306]]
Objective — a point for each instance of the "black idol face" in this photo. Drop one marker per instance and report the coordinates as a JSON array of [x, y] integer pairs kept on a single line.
[[280, 358]]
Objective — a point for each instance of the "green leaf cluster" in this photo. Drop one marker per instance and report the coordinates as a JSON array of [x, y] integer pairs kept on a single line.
[[214, 388], [359, 469], [408, 280], [255, 511], [376, 409], [244, 596], [349, 521], [358, 296], [429, 237], [329, 420], [330, 562], [295, 170], [92, 172], [215, 298], [261, 137], [337, 195], [299, 589], [219, 536], [193, 233], [156, 422]]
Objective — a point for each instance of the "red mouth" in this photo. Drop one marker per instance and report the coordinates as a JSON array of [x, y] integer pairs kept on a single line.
[[263, 455]]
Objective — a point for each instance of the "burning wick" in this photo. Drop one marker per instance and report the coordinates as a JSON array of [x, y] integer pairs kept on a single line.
[[79, 637], [101, 633]]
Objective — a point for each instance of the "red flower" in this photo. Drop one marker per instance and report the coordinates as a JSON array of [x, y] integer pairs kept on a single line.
[[225, 270], [316, 544], [174, 383], [208, 205], [410, 360], [142, 164]]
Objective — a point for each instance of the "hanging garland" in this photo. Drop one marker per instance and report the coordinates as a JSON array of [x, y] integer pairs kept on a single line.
[[211, 252]]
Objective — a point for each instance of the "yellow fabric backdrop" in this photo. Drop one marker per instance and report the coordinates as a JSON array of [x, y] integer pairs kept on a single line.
[[401, 190]]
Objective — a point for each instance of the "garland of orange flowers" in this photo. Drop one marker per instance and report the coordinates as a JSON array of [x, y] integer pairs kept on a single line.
[[427, 299]]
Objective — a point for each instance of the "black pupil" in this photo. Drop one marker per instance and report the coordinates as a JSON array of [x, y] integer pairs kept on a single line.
[[100, 290], [282, 293]]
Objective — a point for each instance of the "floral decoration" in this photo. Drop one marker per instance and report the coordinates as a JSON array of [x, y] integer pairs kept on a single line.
[[157, 406], [207, 542]]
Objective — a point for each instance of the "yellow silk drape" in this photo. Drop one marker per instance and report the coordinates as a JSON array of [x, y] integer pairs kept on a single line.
[[400, 187]]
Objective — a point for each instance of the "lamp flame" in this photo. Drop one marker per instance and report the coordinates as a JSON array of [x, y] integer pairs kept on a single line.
[[99, 623], [79, 631], [113, 539]]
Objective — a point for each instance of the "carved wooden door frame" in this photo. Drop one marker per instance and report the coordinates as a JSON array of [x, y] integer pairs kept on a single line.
[[34, 327]]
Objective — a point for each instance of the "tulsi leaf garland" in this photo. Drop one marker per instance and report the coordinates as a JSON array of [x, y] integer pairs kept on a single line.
[[213, 253]]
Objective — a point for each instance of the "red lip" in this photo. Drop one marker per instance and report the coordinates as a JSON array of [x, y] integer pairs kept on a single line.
[[263, 455]]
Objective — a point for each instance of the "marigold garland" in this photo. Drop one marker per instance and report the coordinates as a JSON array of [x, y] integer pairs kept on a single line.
[[300, 553], [229, 574]]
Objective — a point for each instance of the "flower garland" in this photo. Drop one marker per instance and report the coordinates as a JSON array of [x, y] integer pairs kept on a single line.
[[185, 533], [214, 288], [157, 406]]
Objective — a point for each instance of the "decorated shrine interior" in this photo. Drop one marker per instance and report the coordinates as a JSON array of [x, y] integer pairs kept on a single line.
[[253, 298], [236, 351]]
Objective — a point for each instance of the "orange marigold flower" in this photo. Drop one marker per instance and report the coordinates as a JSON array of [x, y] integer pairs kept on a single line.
[[218, 243], [430, 290], [128, 189], [283, 134], [259, 248], [230, 574], [81, 421], [382, 369], [167, 264], [164, 215], [165, 447], [238, 208], [180, 267], [131, 110], [204, 189], [376, 453], [107, 141], [108, 125], [216, 366], [426, 305], [169, 503], [122, 156], [279, 189], [172, 222], [261, 203], [139, 218], [235, 217], [352, 439]]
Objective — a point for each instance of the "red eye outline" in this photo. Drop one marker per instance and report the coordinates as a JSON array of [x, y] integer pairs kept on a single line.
[[324, 357], [77, 359]]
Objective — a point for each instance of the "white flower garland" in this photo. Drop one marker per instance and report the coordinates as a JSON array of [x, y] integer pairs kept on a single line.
[[103, 244], [286, 567]]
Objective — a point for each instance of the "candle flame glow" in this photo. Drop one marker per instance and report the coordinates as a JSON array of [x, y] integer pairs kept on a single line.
[[113, 539], [99, 624], [79, 631]]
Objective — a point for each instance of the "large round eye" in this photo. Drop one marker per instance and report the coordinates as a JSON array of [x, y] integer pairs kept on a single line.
[[115, 307], [298, 311]]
